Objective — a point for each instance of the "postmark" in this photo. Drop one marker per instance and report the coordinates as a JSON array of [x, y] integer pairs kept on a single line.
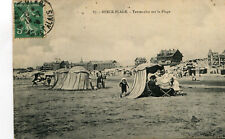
[[33, 18]]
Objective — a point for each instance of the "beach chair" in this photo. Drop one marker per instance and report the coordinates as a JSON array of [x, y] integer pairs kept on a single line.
[[166, 88], [166, 92], [150, 93]]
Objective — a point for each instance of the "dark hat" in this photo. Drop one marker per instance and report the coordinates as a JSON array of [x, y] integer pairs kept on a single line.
[[153, 77]]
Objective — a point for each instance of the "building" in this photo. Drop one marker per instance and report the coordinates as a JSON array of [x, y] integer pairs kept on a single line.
[[140, 60], [50, 66], [169, 57], [81, 63], [215, 59], [153, 60], [97, 65], [53, 65], [47, 66], [64, 64], [30, 69], [101, 65], [23, 70], [20, 70]]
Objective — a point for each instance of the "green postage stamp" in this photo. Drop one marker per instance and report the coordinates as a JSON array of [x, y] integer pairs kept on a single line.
[[32, 19]]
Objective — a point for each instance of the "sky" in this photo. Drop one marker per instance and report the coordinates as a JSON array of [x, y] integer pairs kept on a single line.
[[192, 26]]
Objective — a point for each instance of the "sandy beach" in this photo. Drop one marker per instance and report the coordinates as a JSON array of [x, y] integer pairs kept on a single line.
[[43, 113]]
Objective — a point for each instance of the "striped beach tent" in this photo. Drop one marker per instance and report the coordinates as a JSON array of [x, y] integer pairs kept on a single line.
[[77, 78], [140, 78]]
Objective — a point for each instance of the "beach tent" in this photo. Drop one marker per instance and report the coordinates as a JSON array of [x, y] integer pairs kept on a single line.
[[60, 76], [77, 78], [140, 79]]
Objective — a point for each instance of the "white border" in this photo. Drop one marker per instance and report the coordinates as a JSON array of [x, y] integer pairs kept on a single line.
[[6, 81]]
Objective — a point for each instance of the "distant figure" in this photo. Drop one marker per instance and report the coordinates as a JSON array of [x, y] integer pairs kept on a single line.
[[36, 78], [180, 74], [193, 77], [48, 79], [92, 87], [100, 81], [124, 85]]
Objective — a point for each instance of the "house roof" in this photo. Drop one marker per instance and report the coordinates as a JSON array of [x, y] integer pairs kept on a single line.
[[167, 53], [102, 62]]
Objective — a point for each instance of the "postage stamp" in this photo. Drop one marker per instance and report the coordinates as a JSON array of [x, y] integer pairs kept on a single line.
[[33, 19]]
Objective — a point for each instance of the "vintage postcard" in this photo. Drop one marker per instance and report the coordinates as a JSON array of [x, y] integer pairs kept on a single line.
[[118, 69]]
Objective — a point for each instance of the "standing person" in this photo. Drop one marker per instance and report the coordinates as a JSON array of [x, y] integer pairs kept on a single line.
[[124, 85], [35, 79], [99, 80], [193, 77], [48, 79], [102, 80], [92, 87]]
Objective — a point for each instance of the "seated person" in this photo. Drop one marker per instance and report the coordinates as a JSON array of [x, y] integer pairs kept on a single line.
[[153, 87], [152, 81], [158, 73], [176, 85], [166, 82]]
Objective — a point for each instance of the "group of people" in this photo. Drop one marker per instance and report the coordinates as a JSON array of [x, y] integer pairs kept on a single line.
[[46, 80], [38, 78], [159, 81], [100, 80], [155, 85]]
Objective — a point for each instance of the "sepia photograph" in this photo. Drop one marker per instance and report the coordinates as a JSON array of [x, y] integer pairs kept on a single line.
[[131, 69]]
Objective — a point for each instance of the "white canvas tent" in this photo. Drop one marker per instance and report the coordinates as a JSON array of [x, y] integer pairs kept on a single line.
[[141, 73], [77, 78], [60, 76]]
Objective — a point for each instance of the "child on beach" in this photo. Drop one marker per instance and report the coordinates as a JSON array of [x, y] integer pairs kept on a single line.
[[124, 85]]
